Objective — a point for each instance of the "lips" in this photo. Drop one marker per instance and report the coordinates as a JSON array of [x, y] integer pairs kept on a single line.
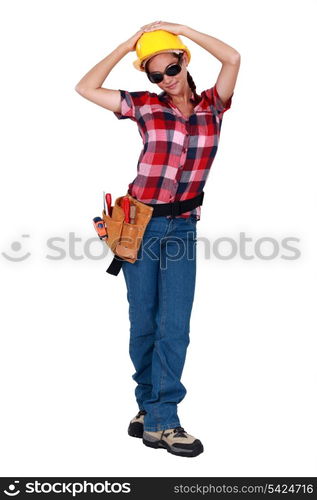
[[172, 86]]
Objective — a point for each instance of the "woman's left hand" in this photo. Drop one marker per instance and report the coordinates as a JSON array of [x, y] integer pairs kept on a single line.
[[163, 25]]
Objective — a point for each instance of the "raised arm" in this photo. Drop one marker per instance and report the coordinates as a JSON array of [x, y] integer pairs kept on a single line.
[[228, 56], [90, 86]]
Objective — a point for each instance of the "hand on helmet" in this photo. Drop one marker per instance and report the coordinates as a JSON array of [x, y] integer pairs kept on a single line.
[[162, 25], [131, 42]]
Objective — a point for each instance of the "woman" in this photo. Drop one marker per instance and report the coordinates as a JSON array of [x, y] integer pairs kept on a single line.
[[180, 131]]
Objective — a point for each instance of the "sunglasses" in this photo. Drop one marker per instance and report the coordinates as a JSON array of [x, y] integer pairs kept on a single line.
[[170, 70]]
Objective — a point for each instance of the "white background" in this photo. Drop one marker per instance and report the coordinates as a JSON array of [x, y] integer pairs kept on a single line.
[[66, 387]]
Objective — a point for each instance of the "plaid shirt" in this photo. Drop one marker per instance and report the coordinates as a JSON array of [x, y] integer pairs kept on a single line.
[[178, 152]]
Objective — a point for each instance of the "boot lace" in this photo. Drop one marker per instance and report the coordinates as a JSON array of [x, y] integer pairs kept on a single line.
[[180, 432], [141, 412]]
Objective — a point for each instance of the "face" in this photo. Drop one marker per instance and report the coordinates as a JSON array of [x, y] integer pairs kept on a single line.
[[179, 81]]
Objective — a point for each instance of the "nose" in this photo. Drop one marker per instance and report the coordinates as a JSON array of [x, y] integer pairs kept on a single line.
[[168, 80]]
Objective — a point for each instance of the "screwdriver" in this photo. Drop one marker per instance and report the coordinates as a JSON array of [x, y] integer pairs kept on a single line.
[[126, 208], [108, 201]]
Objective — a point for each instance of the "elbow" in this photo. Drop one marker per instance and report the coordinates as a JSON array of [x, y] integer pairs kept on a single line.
[[235, 59], [79, 89]]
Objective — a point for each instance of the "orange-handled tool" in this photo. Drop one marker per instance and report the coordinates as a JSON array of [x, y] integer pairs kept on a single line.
[[100, 227]]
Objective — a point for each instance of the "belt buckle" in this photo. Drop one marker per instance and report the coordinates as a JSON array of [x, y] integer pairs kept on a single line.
[[175, 209]]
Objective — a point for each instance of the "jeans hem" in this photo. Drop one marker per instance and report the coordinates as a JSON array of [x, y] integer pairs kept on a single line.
[[154, 428]]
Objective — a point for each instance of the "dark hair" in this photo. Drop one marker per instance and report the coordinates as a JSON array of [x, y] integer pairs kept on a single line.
[[190, 80], [192, 85]]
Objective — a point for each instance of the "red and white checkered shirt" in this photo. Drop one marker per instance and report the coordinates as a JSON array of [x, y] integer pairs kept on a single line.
[[177, 151]]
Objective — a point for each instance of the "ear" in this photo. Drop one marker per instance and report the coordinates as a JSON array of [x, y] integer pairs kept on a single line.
[[185, 58]]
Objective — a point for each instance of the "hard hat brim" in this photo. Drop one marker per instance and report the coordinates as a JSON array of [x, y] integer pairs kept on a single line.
[[140, 64]]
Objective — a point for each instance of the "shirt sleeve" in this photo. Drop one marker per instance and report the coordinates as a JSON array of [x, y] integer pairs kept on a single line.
[[131, 102], [213, 99]]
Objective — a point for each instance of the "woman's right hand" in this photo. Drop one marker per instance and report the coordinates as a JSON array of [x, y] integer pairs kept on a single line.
[[131, 42]]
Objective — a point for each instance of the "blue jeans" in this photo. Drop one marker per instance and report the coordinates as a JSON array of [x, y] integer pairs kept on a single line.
[[160, 292]]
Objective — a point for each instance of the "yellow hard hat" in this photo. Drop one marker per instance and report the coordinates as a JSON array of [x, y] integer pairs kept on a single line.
[[154, 42]]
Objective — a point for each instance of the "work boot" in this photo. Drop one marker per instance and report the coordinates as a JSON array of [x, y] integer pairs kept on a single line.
[[136, 425], [175, 441]]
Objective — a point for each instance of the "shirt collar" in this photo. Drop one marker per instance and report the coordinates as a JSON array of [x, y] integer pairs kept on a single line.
[[164, 96]]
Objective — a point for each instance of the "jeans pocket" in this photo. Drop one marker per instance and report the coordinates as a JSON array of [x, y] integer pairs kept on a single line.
[[192, 219]]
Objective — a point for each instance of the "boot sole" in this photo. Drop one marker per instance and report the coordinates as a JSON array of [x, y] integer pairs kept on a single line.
[[163, 445]]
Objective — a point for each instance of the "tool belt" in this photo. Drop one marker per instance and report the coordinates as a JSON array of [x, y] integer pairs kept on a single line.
[[124, 239]]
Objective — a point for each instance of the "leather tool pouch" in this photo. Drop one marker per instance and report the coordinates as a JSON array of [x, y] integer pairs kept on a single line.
[[124, 239]]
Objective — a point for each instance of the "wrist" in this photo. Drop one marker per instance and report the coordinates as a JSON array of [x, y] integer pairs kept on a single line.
[[123, 48], [184, 30]]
